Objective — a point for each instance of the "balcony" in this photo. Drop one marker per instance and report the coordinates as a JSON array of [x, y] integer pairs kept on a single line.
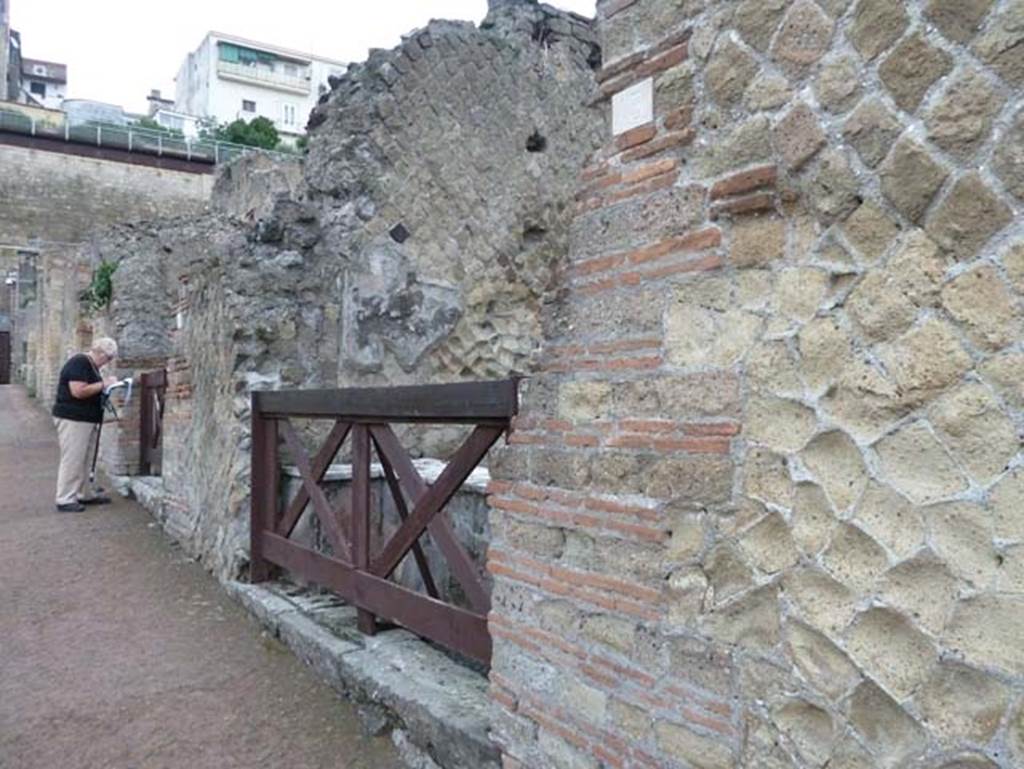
[[261, 76]]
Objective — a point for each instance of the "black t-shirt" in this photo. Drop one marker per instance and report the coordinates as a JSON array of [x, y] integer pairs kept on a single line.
[[78, 369]]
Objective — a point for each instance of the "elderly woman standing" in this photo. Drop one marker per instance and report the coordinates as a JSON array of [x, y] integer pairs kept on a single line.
[[77, 414]]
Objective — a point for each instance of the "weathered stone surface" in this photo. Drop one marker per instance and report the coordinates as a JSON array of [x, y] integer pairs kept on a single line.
[[693, 748], [917, 465], [958, 20], [838, 84], [962, 119], [837, 464], [890, 520], [1013, 262], [925, 360], [1008, 158], [747, 143], [854, 558], [584, 401], [767, 91], [800, 292], [923, 588], [865, 401], [729, 71], [808, 727], [910, 177], [870, 230], [961, 533], [701, 336], [893, 651], [1007, 504], [895, 737], [979, 434], [959, 703], [987, 630], [886, 302], [812, 518], [769, 545], [824, 346], [824, 603], [1000, 44], [871, 129], [757, 20], [912, 68], [798, 136], [968, 216], [803, 37], [772, 368], [1016, 732], [757, 241], [1005, 373], [779, 424], [984, 305], [727, 572], [820, 661], [877, 24], [833, 190], [750, 620]]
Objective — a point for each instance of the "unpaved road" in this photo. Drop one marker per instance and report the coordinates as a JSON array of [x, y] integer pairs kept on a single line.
[[116, 652]]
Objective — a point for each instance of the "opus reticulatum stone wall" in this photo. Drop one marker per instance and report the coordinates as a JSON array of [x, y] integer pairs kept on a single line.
[[765, 505]]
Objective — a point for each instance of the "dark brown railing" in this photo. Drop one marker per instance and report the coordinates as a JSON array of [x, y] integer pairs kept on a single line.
[[152, 388], [358, 575]]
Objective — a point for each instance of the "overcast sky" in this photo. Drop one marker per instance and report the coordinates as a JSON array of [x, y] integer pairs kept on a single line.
[[117, 50]]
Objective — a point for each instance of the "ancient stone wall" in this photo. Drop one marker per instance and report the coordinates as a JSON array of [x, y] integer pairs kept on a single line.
[[417, 244], [764, 504], [52, 197]]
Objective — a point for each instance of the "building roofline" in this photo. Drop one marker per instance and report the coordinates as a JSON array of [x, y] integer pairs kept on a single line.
[[272, 48]]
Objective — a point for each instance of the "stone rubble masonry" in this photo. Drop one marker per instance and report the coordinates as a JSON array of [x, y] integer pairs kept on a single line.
[[766, 487]]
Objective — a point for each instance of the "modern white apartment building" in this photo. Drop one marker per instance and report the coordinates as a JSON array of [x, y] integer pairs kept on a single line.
[[228, 77]]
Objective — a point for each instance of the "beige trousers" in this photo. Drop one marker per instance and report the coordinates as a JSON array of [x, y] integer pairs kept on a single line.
[[77, 440]]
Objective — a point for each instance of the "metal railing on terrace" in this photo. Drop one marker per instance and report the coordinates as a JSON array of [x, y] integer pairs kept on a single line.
[[297, 83], [131, 138]]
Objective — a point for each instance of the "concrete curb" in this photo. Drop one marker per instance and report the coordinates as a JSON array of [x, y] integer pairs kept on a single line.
[[437, 710]]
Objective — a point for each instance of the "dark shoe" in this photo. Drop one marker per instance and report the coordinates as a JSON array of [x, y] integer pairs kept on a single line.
[[71, 507], [95, 501]]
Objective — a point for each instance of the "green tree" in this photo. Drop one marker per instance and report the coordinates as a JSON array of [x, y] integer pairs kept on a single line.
[[258, 132]]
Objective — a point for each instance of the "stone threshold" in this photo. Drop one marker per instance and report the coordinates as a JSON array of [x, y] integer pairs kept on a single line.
[[437, 710]]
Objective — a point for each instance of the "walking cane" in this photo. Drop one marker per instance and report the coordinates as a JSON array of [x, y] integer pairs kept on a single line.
[[107, 405]]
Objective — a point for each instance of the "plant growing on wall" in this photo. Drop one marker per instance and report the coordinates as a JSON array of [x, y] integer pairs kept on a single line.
[[100, 292]]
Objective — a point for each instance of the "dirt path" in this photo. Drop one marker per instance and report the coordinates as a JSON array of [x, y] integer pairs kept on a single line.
[[116, 652]]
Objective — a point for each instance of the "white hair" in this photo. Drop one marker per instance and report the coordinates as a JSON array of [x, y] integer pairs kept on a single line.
[[105, 345]]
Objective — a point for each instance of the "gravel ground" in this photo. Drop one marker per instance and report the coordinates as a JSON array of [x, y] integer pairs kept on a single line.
[[117, 652]]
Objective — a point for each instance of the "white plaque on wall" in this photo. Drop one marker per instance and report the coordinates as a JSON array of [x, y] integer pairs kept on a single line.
[[633, 106]]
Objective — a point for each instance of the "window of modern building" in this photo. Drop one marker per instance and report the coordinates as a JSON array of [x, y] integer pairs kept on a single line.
[[289, 114], [38, 89], [248, 106]]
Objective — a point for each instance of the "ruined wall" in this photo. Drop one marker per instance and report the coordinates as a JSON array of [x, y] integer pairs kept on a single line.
[[442, 171], [417, 244], [764, 504], [57, 198]]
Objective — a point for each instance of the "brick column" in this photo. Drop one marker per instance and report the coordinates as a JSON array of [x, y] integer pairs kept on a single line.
[[623, 462]]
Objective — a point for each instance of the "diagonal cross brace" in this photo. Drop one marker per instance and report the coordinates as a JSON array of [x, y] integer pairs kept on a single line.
[[321, 463], [429, 501], [403, 512], [327, 516]]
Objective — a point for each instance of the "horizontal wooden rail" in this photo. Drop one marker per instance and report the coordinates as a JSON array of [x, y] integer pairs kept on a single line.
[[464, 402]]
